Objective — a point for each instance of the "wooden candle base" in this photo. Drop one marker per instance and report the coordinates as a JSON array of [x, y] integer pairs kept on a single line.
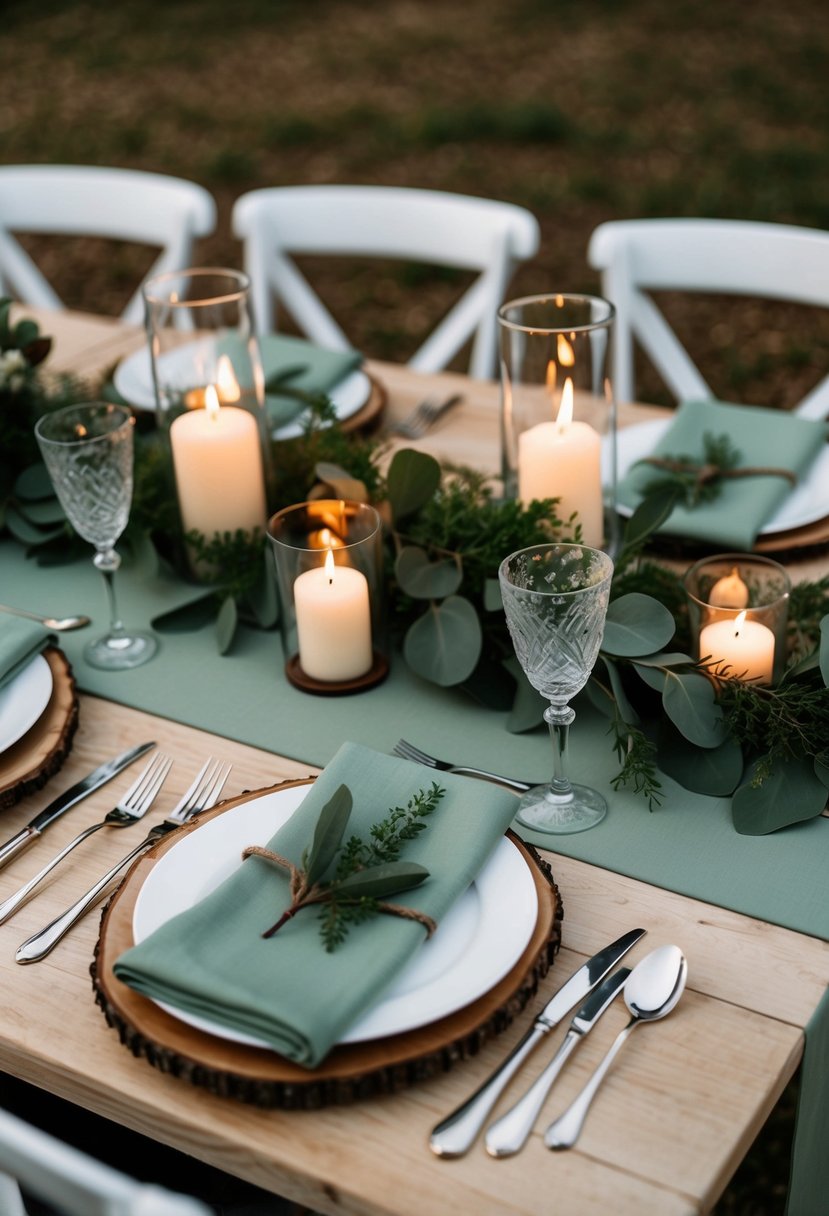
[[337, 688]]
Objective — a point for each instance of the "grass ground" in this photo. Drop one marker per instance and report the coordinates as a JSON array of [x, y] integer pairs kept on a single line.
[[580, 110]]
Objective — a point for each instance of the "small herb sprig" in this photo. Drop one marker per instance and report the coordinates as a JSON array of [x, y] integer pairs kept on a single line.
[[365, 872]]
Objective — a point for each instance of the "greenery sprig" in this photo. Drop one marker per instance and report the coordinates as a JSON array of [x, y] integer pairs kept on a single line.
[[692, 481], [351, 881]]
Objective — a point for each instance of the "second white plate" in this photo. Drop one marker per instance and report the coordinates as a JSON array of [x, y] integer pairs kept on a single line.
[[23, 700], [475, 946]]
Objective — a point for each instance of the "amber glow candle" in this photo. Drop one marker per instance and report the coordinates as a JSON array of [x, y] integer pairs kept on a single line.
[[218, 468], [729, 591], [745, 647], [333, 620], [562, 459]]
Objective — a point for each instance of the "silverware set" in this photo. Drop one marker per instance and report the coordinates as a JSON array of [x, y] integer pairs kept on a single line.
[[204, 792], [424, 415]]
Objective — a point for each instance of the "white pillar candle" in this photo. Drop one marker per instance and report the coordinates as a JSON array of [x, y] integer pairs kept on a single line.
[[746, 647], [562, 459], [218, 468], [333, 620]]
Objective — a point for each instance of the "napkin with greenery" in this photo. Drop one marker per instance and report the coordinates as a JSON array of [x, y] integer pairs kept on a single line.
[[20, 642], [306, 369], [735, 508], [287, 989]]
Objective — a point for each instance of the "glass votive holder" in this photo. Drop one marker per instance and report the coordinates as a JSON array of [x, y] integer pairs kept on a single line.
[[210, 400], [558, 410], [328, 556], [738, 608]]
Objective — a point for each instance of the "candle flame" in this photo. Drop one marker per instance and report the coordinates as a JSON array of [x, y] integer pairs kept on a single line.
[[739, 621], [565, 409], [211, 401], [566, 354], [552, 373], [329, 566], [226, 381]]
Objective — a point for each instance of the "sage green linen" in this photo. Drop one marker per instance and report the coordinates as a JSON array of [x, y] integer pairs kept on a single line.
[[288, 990], [20, 642], [321, 370], [764, 438]]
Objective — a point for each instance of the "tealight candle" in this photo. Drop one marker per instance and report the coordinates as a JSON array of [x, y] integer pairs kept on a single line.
[[218, 468], [729, 592], [333, 620], [562, 459], [745, 647]]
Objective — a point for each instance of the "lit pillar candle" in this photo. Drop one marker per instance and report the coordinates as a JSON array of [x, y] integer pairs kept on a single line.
[[746, 647], [729, 592], [562, 459], [218, 468], [333, 620]]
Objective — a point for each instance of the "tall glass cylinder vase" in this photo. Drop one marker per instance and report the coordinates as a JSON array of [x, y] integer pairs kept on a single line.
[[558, 411], [210, 400]]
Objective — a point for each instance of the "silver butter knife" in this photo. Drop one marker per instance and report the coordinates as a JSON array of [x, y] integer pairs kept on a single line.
[[509, 1133], [456, 1134], [61, 804]]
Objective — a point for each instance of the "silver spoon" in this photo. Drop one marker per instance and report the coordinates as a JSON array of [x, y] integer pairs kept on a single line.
[[59, 624], [652, 990]]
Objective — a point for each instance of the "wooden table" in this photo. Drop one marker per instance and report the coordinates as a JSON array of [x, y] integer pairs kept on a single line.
[[673, 1120]]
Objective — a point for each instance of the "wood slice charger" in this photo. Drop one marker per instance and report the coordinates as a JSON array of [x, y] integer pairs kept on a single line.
[[27, 765], [350, 1072]]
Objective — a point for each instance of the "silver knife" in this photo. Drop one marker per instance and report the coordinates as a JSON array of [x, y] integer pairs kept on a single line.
[[61, 804], [456, 1134], [509, 1133]]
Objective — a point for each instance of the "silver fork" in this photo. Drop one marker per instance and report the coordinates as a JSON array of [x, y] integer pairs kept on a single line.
[[132, 806], [202, 794], [423, 415], [409, 752]]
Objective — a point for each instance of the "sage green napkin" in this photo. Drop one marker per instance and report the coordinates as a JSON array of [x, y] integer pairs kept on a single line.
[[20, 642], [212, 960], [321, 370], [764, 438]]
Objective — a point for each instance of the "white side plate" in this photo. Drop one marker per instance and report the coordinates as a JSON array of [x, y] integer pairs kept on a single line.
[[23, 700]]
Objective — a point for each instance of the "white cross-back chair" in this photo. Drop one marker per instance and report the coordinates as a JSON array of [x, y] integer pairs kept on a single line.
[[734, 257], [74, 1183], [423, 226], [120, 204]]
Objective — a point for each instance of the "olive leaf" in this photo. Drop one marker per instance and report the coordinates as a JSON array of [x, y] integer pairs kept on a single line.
[[382, 880], [328, 834], [445, 643], [424, 579], [637, 625]]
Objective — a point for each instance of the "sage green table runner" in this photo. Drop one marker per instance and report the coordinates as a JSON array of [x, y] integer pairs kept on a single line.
[[688, 846], [287, 989]]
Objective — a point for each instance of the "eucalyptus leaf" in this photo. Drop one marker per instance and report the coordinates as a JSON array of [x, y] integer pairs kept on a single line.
[[600, 698], [445, 643], [412, 479], [28, 533], [490, 684], [822, 771], [424, 579], [690, 702], [626, 711], [637, 625], [715, 771], [263, 600], [188, 617], [226, 623], [493, 600], [665, 659], [528, 705], [34, 483], [25, 331], [328, 834], [653, 511], [790, 793], [379, 881], [42, 512], [654, 677], [823, 651]]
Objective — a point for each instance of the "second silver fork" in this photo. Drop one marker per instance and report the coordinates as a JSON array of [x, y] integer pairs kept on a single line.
[[202, 794], [409, 752], [130, 808]]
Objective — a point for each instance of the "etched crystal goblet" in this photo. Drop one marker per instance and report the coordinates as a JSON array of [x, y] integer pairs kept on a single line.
[[88, 452], [555, 598]]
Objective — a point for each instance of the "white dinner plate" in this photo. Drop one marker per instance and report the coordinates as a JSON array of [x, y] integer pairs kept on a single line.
[[134, 381], [476, 944], [23, 700], [807, 502]]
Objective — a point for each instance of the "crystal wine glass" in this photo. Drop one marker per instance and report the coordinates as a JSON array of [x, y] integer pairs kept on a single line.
[[555, 598], [88, 451]]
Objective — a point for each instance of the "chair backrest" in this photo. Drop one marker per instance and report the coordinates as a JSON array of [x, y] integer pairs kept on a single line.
[[770, 261], [120, 204], [423, 226], [74, 1183]]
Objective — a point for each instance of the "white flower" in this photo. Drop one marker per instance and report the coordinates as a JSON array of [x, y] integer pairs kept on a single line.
[[13, 366]]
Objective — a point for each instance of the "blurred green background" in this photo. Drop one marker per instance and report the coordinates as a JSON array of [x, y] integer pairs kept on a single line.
[[580, 110]]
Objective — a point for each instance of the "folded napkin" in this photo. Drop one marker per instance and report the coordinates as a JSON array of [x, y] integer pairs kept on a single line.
[[763, 437], [321, 370], [20, 642], [212, 960]]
